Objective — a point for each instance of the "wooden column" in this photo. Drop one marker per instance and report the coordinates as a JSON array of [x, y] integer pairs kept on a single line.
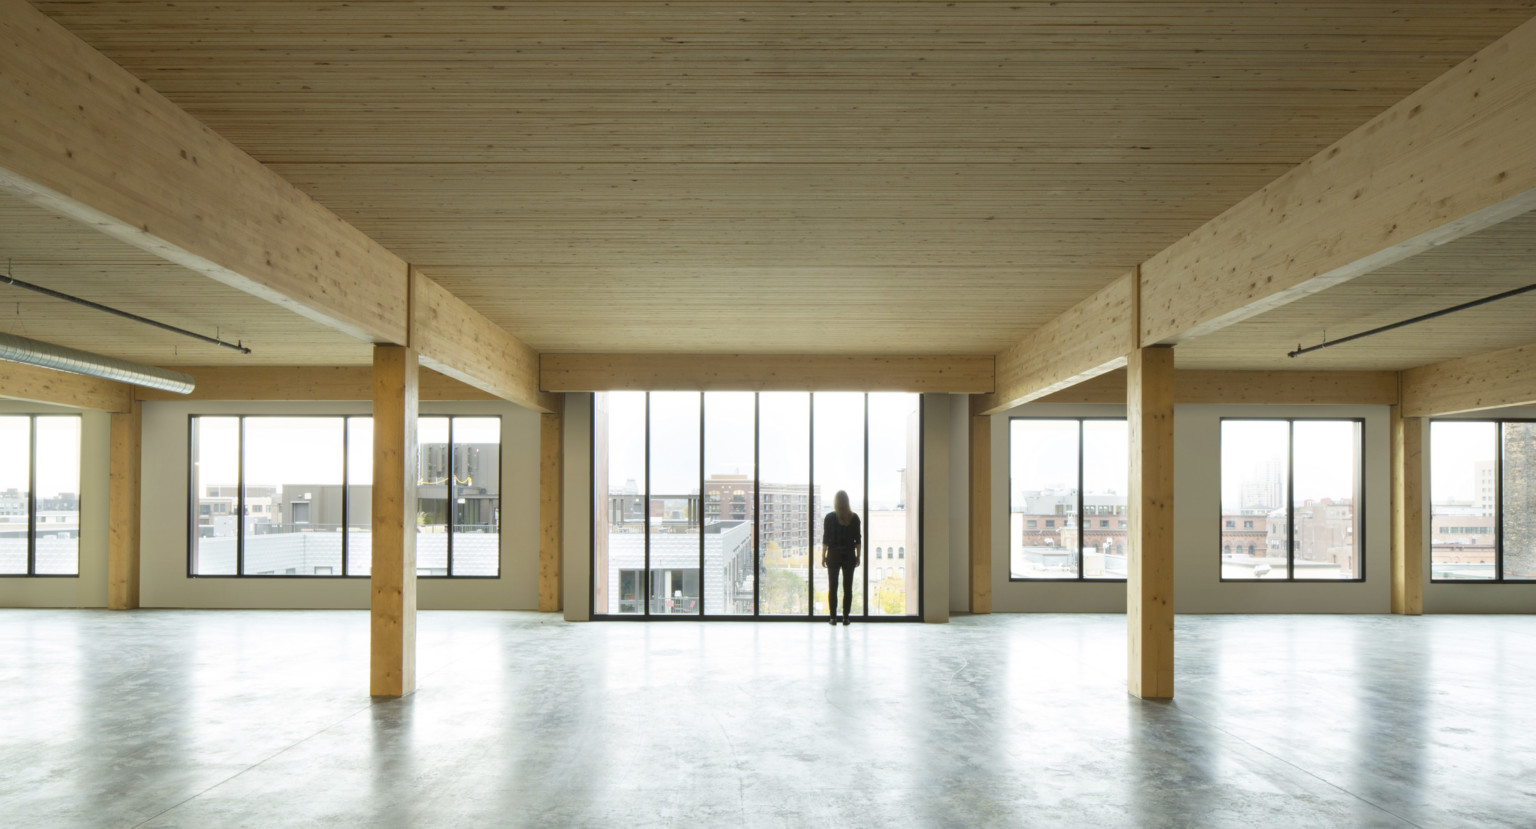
[[1149, 583], [551, 509], [981, 514], [1407, 514], [393, 607], [123, 509]]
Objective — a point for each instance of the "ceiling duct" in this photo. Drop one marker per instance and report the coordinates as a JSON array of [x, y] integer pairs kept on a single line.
[[59, 358]]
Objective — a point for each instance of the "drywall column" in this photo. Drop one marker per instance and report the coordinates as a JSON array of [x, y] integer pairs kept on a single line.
[[1407, 513], [551, 508], [981, 514], [392, 671], [123, 508], [1149, 600]]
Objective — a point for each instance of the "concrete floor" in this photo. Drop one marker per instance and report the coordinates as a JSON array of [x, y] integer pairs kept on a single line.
[[241, 718]]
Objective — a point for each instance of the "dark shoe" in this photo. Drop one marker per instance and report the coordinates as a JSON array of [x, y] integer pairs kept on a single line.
[[846, 620], [832, 621]]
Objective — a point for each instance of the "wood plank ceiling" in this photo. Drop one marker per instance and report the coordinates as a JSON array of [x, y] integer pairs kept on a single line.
[[916, 177], [67, 256]]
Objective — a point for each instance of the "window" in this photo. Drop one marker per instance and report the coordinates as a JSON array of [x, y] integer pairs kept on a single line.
[[39, 495], [1483, 500], [292, 496], [1231, 525], [769, 465], [1067, 467], [1298, 482]]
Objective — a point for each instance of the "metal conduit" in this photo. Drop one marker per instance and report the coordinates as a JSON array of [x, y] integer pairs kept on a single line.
[[60, 358]]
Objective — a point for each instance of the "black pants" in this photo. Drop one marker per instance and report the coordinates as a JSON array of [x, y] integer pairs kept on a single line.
[[847, 566]]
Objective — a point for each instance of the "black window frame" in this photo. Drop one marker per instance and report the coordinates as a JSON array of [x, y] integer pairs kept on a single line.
[[346, 497], [32, 497], [1498, 500], [1082, 433], [756, 615], [1290, 500]]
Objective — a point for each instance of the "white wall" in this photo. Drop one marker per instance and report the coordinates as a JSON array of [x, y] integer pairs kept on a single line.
[[1446, 597], [89, 589], [1197, 515], [164, 580]]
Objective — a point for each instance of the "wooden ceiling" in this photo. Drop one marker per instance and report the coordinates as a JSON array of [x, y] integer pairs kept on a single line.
[[779, 177], [67, 256], [1491, 261]]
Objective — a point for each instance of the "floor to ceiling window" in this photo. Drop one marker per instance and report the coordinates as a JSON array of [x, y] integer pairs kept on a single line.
[[39, 495], [711, 504]]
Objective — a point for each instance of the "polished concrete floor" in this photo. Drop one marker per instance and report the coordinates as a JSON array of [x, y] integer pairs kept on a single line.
[[240, 718]]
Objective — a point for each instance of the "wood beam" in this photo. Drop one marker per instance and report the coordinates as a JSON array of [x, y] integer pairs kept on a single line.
[[44, 385], [1252, 388], [392, 661], [551, 509], [303, 383], [1089, 339], [981, 514], [953, 374], [1407, 514], [84, 138], [1469, 384], [123, 493], [456, 340], [1149, 582], [1450, 159]]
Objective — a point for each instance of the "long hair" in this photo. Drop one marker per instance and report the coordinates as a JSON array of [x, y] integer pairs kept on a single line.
[[840, 506]]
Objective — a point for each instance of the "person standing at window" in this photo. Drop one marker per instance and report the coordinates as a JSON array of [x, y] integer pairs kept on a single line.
[[840, 542]]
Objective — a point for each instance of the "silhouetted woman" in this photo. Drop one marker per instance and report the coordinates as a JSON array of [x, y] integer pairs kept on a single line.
[[840, 543]]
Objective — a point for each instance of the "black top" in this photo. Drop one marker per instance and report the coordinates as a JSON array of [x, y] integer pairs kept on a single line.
[[838, 537]]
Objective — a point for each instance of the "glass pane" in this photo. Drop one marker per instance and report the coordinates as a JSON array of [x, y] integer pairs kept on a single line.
[[892, 539], [432, 496], [838, 465], [784, 502], [293, 496], [1326, 463], [359, 496], [730, 429], [1043, 499], [618, 463], [675, 503], [1461, 495], [215, 494], [1106, 480], [1519, 501], [1253, 495], [476, 496], [15, 483], [58, 495]]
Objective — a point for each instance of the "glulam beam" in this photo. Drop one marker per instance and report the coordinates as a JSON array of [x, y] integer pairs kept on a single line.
[[455, 339], [981, 514], [1250, 388], [1407, 514], [44, 385], [1469, 384], [285, 383], [1087, 340], [1452, 158], [551, 509], [948, 374], [84, 138], [123, 501]]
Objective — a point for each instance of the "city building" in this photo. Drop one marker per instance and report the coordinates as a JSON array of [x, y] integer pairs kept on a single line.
[[419, 414]]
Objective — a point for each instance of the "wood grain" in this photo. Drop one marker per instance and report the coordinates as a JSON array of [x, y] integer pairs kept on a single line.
[[392, 608], [1408, 499], [85, 138], [123, 500], [44, 385], [969, 374], [455, 339], [551, 510], [1483, 381], [980, 570], [304, 383], [1149, 582], [1450, 159]]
